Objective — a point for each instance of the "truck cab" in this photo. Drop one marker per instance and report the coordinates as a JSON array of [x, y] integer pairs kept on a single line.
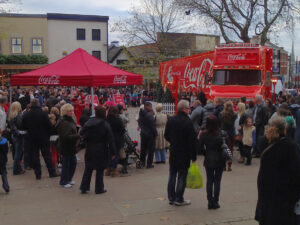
[[241, 69]]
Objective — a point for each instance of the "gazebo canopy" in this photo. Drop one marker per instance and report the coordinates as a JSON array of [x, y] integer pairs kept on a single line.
[[77, 69]]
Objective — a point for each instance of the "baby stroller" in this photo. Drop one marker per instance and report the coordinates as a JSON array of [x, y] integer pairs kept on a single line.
[[132, 153]]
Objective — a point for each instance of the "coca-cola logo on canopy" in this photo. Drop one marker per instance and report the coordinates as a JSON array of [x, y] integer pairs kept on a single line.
[[49, 80], [195, 76], [120, 79], [236, 57]]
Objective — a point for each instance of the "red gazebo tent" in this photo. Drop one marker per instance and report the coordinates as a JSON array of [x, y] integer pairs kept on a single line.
[[77, 69]]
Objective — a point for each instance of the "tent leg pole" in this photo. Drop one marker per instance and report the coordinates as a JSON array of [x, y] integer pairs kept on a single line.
[[93, 106]]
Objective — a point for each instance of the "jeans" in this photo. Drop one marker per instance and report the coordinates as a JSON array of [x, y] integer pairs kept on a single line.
[[147, 148], [86, 180], [3, 173], [68, 169], [35, 158], [160, 155], [114, 162], [180, 175], [213, 184], [18, 146]]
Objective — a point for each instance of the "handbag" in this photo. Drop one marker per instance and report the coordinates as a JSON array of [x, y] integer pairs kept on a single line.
[[122, 153], [226, 153]]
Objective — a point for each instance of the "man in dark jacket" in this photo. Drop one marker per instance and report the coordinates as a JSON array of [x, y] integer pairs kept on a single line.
[[219, 107], [260, 120], [37, 124], [148, 134], [196, 115], [182, 137]]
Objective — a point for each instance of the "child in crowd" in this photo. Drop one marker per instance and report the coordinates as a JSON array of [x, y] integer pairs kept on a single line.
[[248, 139]]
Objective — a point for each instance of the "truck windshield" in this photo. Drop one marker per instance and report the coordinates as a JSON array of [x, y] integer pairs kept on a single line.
[[237, 77]]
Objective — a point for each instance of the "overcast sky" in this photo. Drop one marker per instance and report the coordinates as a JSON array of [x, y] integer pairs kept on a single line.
[[116, 9]]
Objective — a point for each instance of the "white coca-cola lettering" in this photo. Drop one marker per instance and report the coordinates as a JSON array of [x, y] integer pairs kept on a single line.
[[120, 79], [236, 57], [172, 73], [194, 77], [49, 79]]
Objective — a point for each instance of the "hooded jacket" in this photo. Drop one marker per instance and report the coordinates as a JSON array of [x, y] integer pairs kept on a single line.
[[100, 143], [208, 110]]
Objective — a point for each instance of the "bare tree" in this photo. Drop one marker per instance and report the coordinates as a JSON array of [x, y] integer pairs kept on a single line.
[[7, 6], [151, 17], [239, 19]]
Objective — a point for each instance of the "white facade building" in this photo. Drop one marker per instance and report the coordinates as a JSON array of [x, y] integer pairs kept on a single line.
[[67, 32]]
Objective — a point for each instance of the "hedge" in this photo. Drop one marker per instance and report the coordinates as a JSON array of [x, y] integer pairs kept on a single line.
[[23, 59]]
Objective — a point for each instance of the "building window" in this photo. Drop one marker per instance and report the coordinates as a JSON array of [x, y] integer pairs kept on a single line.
[[16, 45], [97, 54], [96, 34], [80, 34], [121, 61], [37, 46]]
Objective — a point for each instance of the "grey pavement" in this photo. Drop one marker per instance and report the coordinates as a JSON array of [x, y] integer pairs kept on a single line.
[[137, 199]]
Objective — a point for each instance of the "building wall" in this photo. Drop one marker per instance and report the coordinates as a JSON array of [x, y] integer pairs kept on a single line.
[[284, 63], [122, 56], [206, 43], [62, 38], [25, 27]]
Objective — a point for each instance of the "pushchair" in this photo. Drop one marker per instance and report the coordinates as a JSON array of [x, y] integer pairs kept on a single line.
[[132, 153]]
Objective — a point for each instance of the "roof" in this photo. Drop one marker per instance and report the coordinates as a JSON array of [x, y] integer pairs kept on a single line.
[[194, 34], [144, 51], [61, 16], [23, 15], [113, 53]]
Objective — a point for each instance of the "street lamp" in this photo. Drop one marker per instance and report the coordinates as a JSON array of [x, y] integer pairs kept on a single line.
[[274, 81]]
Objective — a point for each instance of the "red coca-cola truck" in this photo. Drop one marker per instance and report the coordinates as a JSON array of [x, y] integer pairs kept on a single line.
[[231, 71]]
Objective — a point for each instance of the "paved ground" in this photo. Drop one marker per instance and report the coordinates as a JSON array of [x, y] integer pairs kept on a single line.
[[137, 199]]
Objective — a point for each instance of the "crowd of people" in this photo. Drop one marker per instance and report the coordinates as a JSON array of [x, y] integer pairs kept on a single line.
[[58, 123]]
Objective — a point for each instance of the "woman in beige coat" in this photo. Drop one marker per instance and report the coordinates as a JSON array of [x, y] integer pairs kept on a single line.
[[161, 143]]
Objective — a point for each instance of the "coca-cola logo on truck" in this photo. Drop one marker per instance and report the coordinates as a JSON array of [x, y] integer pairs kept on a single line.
[[194, 76], [172, 73], [236, 57], [49, 80], [120, 79]]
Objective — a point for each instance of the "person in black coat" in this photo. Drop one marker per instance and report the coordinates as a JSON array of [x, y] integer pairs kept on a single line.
[[100, 149], [85, 116], [3, 161], [68, 137], [260, 120], [210, 144], [278, 180], [146, 122], [180, 134], [38, 126], [118, 129]]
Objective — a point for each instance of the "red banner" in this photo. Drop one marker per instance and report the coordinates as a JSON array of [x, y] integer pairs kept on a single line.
[[118, 99]]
